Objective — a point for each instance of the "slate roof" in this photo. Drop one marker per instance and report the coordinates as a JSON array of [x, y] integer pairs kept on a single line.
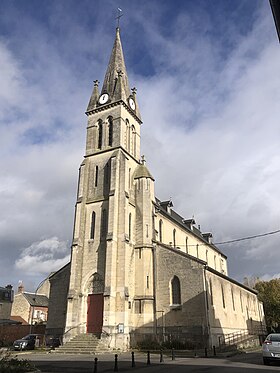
[[37, 299], [173, 215]]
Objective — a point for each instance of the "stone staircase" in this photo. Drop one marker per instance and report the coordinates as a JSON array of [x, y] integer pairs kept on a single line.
[[87, 344]]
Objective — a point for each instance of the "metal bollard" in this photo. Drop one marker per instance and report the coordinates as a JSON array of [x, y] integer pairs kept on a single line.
[[161, 357], [148, 358], [214, 351], [206, 352], [95, 365], [172, 354], [116, 369], [132, 359]]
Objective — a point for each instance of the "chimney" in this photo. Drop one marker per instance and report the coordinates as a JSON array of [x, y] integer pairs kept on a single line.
[[20, 287]]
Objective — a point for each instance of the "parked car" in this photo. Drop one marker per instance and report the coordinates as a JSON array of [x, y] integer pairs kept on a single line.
[[29, 342], [271, 348], [52, 342]]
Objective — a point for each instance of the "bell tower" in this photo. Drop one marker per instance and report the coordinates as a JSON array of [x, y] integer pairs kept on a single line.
[[102, 280]]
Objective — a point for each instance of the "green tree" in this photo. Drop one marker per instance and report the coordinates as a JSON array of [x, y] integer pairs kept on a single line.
[[269, 294]]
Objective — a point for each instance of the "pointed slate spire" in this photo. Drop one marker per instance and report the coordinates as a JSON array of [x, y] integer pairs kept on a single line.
[[94, 97], [116, 81]]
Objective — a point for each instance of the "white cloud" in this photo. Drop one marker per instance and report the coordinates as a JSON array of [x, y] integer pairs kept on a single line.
[[44, 256], [210, 132]]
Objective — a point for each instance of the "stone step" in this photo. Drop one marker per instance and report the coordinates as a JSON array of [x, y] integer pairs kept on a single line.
[[83, 344]]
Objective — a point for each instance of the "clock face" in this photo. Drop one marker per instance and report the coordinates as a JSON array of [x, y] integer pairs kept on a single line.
[[103, 98], [131, 103]]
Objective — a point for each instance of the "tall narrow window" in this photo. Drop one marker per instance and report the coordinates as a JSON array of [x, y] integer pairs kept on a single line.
[[174, 237], [223, 296], [99, 134], [127, 135], [211, 291], [206, 254], [176, 290], [129, 178], [107, 173], [110, 131], [187, 249], [92, 228], [215, 262], [232, 298], [133, 136], [241, 302], [197, 250], [129, 226], [104, 224], [160, 230], [96, 176]]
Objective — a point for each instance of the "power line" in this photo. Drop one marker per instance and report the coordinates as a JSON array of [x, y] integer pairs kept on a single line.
[[247, 238], [235, 240]]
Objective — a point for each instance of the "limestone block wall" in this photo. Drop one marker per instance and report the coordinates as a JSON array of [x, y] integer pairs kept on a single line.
[[192, 311], [59, 283], [21, 307], [232, 307]]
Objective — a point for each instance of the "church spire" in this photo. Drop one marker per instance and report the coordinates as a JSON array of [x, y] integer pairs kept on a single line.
[[116, 83]]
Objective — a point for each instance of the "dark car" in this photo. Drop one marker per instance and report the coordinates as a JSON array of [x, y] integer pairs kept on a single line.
[[52, 342], [29, 342]]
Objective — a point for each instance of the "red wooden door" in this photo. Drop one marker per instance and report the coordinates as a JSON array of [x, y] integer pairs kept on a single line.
[[95, 313]]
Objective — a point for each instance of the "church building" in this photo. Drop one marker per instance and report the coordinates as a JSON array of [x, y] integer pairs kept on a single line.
[[139, 271]]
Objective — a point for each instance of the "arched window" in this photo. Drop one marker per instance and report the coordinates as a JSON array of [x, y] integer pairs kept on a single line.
[[110, 131], [175, 290], [107, 173], [133, 137], [174, 237], [187, 249], [99, 134], [96, 176], [160, 230], [129, 226], [211, 291], [197, 250], [92, 227], [104, 224], [232, 298], [127, 135], [223, 296]]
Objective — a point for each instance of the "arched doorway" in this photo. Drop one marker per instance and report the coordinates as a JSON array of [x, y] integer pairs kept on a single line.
[[95, 305]]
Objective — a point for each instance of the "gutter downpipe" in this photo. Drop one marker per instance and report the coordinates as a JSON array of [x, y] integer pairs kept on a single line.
[[207, 306]]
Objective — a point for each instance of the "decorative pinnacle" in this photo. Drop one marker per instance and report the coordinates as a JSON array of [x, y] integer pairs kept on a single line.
[[143, 160]]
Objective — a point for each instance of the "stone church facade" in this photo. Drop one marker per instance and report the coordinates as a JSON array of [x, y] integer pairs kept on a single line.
[[138, 269]]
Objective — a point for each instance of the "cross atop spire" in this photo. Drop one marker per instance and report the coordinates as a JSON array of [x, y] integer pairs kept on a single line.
[[118, 17]]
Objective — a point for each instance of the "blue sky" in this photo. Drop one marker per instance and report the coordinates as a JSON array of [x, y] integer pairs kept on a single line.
[[207, 74]]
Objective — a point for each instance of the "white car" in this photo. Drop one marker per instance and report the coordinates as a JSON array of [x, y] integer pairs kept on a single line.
[[271, 348]]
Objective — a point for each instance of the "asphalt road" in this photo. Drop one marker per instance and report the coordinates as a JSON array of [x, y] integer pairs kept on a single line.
[[51, 363]]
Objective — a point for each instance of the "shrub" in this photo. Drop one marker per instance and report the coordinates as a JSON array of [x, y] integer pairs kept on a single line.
[[9, 364]]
